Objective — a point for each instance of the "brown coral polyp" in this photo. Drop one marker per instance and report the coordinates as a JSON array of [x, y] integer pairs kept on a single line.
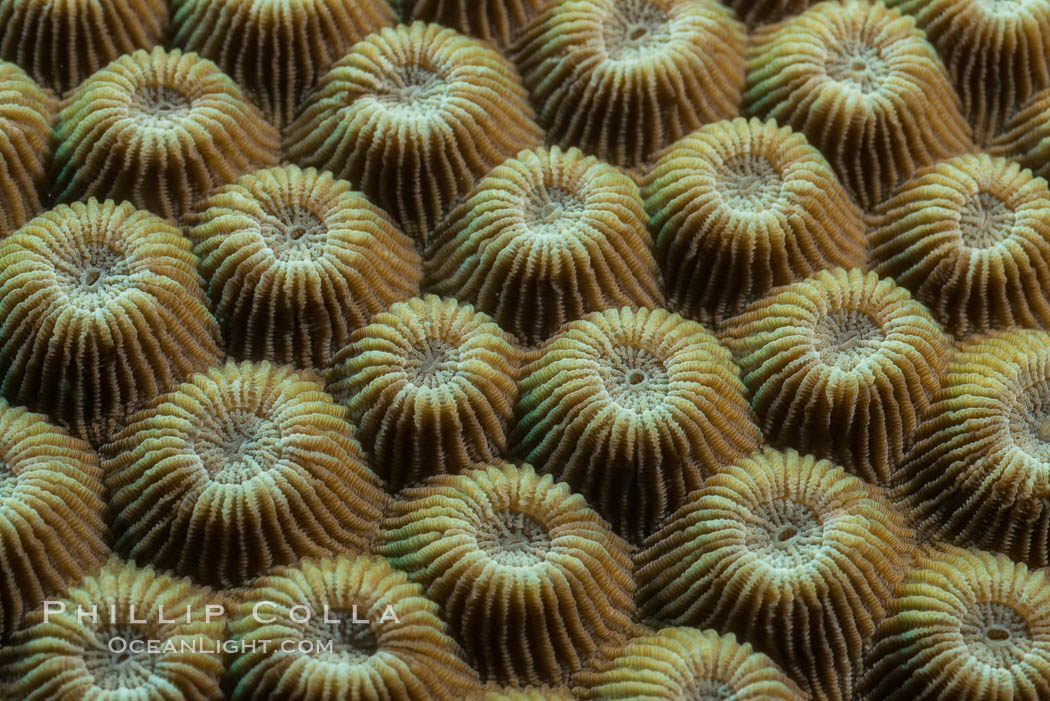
[[413, 116], [103, 309], [61, 42], [498, 21], [543, 239], [864, 86], [964, 625], [431, 385], [239, 469], [387, 639], [158, 129], [91, 643], [757, 12], [790, 553], [1025, 137], [979, 473], [738, 207], [26, 116], [842, 365], [531, 579], [622, 79], [51, 527], [633, 409], [995, 53], [295, 261], [684, 663], [970, 237], [275, 50]]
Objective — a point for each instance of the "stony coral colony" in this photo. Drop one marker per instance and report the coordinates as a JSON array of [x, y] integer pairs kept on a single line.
[[596, 349]]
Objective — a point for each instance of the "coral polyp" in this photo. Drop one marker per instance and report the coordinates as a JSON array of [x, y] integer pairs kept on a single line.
[[531, 577], [963, 625], [970, 237], [1025, 137], [498, 21], [61, 42], [158, 129], [387, 639], [295, 261], [103, 309], [237, 470], [51, 513], [845, 74], [622, 79], [842, 365], [684, 663], [413, 116], [979, 473], [91, 643], [741, 206], [276, 50], [633, 409], [758, 12], [995, 53], [26, 116], [543, 239], [431, 386], [790, 553]]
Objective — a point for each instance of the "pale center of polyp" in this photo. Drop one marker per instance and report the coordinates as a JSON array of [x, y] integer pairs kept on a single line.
[[635, 26], [551, 211], [984, 220], [352, 638], [709, 690], [295, 233], [415, 90], [1029, 421], [90, 274], [844, 338], [514, 539], [238, 446], [118, 670], [858, 66], [431, 363], [995, 634], [160, 102], [8, 480], [785, 533], [636, 379], [750, 183]]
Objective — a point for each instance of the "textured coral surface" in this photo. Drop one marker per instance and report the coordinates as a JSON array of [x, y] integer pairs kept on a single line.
[[522, 350]]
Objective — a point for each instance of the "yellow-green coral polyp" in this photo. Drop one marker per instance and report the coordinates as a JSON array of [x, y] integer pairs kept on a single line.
[[622, 79], [633, 409], [103, 309], [964, 625], [676, 663], [239, 469], [387, 639], [531, 576], [413, 116], [295, 261], [26, 117], [158, 129], [767, 549], [73, 648], [738, 207], [430, 383], [843, 74], [543, 239]]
